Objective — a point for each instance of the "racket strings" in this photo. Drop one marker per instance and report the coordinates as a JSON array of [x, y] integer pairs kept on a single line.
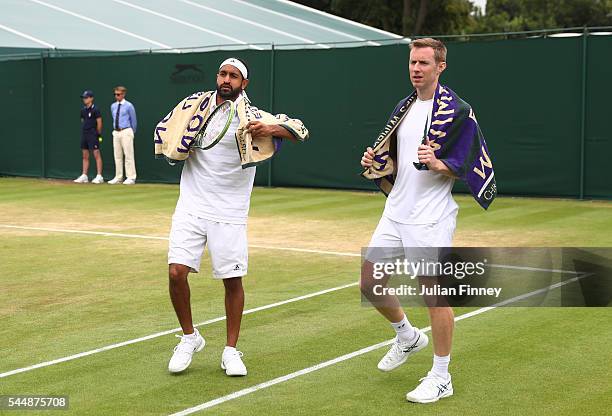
[[219, 119], [214, 127]]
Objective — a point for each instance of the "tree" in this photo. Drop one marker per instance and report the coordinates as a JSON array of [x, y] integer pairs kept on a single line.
[[454, 17], [378, 13], [516, 15], [409, 17]]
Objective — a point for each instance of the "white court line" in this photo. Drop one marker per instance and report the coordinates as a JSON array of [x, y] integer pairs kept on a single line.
[[97, 22], [26, 36], [305, 22], [170, 331], [259, 25], [290, 376], [154, 237], [299, 250], [101, 233], [185, 23]]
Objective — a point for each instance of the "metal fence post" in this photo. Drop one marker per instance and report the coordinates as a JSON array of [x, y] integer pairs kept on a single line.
[[585, 35], [43, 144], [271, 105]]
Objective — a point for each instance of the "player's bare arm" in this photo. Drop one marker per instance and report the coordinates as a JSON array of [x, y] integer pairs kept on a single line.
[[259, 129]]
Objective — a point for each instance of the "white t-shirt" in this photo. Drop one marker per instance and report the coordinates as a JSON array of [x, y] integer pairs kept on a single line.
[[418, 196], [213, 184]]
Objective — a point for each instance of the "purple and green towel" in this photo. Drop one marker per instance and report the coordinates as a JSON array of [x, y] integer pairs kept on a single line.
[[457, 141]]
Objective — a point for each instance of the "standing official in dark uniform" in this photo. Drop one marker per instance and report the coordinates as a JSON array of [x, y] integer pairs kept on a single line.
[[91, 136]]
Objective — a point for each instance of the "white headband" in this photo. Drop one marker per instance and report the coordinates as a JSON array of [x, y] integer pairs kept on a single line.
[[236, 63]]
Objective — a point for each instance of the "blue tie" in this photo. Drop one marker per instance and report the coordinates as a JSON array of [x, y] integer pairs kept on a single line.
[[117, 117]]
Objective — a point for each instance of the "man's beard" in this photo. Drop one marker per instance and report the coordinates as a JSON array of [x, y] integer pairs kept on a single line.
[[228, 94]]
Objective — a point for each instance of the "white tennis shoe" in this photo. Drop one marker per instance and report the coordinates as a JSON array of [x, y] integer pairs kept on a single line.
[[184, 351], [231, 362], [129, 181], [115, 181], [98, 179], [431, 389], [81, 179], [400, 351]]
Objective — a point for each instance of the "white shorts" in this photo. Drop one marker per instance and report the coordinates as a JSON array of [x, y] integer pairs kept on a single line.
[[393, 239], [227, 245]]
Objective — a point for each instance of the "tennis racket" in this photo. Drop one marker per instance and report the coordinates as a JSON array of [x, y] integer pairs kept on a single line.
[[419, 165], [216, 126]]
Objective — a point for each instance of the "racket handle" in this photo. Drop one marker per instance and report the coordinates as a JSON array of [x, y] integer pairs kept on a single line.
[[419, 165]]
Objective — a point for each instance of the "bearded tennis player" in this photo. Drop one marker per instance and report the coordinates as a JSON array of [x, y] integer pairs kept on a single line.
[[212, 209], [431, 139]]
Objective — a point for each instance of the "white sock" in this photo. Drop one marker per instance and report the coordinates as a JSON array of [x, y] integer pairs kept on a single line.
[[193, 335], [405, 331], [440, 366], [228, 349]]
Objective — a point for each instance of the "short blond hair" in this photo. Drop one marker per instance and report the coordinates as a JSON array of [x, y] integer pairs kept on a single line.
[[437, 45], [120, 88]]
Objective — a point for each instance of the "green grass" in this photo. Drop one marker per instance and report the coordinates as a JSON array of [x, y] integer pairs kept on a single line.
[[62, 294]]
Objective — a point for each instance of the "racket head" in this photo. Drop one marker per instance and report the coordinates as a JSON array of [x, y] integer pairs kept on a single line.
[[216, 125]]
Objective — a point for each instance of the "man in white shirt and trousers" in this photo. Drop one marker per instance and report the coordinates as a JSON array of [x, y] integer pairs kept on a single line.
[[215, 193], [419, 212]]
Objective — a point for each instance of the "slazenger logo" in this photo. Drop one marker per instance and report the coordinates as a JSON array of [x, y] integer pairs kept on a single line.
[[185, 73]]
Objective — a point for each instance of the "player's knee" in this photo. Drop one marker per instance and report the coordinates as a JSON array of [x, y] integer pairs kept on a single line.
[[233, 285], [177, 272]]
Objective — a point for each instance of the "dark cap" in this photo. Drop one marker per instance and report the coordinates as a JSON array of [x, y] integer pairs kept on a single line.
[[87, 93]]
